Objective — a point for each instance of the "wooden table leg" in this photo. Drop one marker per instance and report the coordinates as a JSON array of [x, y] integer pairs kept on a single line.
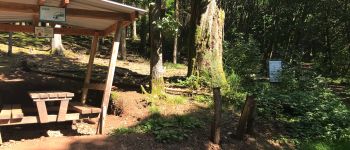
[[43, 117], [63, 111]]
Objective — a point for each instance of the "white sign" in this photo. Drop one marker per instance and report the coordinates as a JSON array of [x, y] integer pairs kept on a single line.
[[275, 67], [54, 14], [46, 32]]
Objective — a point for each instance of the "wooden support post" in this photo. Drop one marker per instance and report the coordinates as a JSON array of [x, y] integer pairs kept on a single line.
[[10, 43], [0, 137], [215, 127], [110, 75], [93, 51], [63, 111], [247, 115]]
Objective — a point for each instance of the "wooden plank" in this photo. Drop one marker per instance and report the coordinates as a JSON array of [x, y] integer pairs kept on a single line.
[[93, 51], [215, 127], [110, 75], [70, 12], [63, 111], [65, 31], [17, 112], [36, 119], [83, 109], [41, 106], [5, 112]]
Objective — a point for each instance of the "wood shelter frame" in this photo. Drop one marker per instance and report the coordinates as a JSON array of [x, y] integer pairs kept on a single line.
[[121, 20]]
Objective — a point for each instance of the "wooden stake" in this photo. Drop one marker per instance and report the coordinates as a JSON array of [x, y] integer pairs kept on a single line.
[[10, 42], [246, 115], [94, 47], [110, 75], [215, 127]]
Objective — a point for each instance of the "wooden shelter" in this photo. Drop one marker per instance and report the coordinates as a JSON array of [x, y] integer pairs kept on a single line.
[[95, 18]]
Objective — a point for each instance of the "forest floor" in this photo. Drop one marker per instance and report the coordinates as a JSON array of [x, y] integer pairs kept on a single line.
[[37, 70]]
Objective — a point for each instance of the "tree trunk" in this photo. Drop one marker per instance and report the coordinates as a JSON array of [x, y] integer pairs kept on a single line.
[[122, 46], [134, 28], [208, 40], [56, 44], [176, 33], [10, 43], [157, 71]]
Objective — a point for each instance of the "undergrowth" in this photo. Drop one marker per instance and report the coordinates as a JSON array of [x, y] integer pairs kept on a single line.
[[165, 129]]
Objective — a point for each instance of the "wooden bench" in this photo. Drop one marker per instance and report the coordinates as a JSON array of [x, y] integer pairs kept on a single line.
[[11, 112]]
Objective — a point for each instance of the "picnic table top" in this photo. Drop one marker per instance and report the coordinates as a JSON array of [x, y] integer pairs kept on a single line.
[[50, 95]]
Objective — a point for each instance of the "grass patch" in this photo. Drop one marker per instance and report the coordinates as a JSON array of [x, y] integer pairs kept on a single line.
[[165, 129], [169, 65]]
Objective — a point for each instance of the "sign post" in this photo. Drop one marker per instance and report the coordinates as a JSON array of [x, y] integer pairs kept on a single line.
[[53, 14], [275, 68]]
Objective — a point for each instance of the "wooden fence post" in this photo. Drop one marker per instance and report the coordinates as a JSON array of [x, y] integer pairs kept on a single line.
[[246, 121], [215, 127], [10, 43]]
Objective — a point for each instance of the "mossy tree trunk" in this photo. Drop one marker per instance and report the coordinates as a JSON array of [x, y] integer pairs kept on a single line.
[[157, 70], [207, 24]]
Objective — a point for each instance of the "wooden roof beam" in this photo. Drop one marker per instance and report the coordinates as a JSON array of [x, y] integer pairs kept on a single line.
[[65, 31], [71, 12], [41, 2], [64, 3]]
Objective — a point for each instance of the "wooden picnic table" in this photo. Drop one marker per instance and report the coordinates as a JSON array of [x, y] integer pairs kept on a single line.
[[40, 99]]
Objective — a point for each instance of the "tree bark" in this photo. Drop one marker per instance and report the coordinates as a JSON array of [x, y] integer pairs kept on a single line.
[[10, 43], [56, 44], [157, 71], [207, 23], [176, 33]]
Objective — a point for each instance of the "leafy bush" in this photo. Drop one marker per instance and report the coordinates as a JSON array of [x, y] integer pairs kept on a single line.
[[195, 82], [242, 56], [307, 108]]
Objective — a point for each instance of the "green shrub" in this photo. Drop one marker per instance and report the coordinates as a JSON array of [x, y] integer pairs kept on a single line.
[[307, 108]]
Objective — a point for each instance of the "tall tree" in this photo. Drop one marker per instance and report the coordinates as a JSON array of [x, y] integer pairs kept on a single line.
[[122, 46], [176, 15], [206, 43], [157, 70]]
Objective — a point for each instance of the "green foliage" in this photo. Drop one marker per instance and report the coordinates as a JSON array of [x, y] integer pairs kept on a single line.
[[242, 56], [203, 99], [195, 82], [324, 145], [307, 108], [114, 95], [234, 93], [165, 130]]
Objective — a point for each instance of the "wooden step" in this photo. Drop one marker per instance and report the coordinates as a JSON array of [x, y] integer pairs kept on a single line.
[[83, 109], [17, 112], [5, 113]]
